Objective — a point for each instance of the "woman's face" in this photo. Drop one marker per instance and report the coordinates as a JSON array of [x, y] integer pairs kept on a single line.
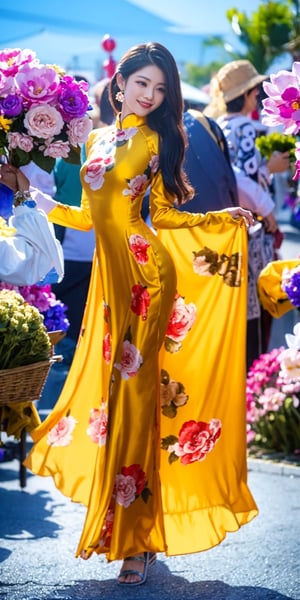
[[144, 91]]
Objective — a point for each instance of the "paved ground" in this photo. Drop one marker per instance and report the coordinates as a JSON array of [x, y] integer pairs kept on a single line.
[[40, 530]]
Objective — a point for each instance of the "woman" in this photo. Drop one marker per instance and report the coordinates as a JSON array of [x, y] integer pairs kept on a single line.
[[101, 442]]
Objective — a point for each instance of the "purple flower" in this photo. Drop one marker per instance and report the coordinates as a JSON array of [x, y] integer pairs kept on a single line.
[[292, 288], [11, 106], [73, 99], [55, 318]]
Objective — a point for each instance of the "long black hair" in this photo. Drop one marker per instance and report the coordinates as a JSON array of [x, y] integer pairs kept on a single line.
[[167, 119]]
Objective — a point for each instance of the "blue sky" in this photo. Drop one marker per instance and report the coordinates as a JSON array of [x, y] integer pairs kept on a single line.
[[199, 16]]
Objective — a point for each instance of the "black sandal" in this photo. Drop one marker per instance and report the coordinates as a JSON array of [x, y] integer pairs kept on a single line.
[[148, 558]]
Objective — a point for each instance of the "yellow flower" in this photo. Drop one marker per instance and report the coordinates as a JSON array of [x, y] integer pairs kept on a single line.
[[5, 230], [5, 124]]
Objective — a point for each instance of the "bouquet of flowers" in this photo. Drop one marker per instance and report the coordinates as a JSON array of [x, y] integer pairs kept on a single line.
[[273, 399], [43, 111], [23, 335], [52, 310], [280, 142]]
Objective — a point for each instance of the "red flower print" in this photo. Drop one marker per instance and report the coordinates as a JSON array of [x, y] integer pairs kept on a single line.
[[140, 300], [106, 532], [106, 348], [195, 441], [139, 246]]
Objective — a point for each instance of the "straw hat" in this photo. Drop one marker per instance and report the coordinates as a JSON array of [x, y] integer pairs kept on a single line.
[[236, 78]]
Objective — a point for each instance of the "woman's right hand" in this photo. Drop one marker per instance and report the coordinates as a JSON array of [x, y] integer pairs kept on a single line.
[[278, 162], [13, 178]]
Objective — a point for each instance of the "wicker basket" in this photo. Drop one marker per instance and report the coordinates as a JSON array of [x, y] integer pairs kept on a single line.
[[23, 384], [56, 336]]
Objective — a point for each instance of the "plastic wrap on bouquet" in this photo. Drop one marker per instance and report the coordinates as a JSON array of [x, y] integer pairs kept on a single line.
[[269, 284], [33, 252]]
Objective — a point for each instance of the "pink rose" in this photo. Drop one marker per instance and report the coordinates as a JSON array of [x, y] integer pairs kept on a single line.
[[20, 140], [124, 490], [79, 129], [139, 246], [43, 121], [131, 361], [181, 320], [61, 434], [56, 149], [98, 421]]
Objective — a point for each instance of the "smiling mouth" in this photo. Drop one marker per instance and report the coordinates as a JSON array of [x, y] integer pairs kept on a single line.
[[145, 104]]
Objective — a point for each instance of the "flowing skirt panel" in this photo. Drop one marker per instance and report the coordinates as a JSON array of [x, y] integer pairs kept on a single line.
[[203, 405]]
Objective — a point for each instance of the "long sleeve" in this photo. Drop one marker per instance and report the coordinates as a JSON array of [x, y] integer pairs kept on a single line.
[[77, 217], [162, 211]]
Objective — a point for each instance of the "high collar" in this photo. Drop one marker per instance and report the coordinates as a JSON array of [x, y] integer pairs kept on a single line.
[[131, 120]]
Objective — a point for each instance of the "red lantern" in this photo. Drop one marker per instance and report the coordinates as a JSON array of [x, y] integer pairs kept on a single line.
[[108, 44]]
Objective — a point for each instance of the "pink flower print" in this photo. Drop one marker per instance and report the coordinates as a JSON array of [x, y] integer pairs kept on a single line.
[[94, 173], [181, 320], [61, 434], [129, 484], [139, 246], [131, 360], [97, 429], [107, 348], [123, 135], [140, 300], [136, 186], [154, 164], [124, 490]]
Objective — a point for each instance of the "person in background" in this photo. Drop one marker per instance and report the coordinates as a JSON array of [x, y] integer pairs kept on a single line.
[[235, 90], [102, 441]]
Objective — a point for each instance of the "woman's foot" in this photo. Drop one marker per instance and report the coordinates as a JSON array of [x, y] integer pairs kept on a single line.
[[134, 570]]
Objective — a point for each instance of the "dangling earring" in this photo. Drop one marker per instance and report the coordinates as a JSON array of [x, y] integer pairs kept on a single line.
[[120, 96]]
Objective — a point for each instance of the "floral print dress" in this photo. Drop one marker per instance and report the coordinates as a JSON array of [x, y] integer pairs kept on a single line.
[[113, 441]]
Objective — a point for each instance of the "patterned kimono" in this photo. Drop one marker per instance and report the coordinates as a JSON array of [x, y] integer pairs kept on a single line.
[[149, 430]]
